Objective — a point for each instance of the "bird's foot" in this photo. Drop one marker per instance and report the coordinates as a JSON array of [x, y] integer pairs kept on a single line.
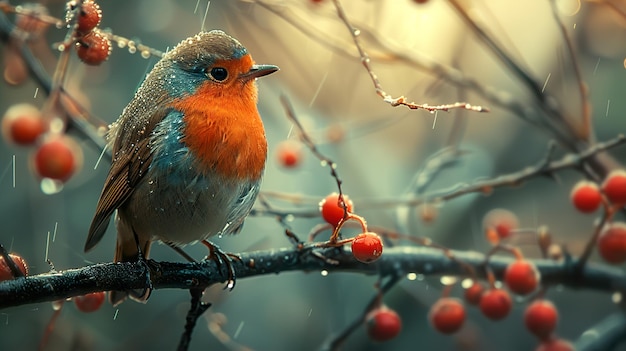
[[223, 258], [141, 294]]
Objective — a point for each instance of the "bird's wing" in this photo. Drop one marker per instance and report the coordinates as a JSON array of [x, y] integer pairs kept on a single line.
[[132, 153]]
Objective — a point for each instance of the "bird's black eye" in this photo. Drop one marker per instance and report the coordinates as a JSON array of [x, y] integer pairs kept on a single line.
[[219, 73]]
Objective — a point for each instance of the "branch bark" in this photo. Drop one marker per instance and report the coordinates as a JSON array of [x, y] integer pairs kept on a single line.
[[395, 260]]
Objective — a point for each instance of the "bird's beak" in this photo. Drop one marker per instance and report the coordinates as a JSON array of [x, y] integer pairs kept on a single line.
[[258, 71]]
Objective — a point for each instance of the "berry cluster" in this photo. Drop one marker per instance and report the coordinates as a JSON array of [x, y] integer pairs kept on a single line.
[[92, 46], [336, 210], [447, 314], [588, 197], [57, 156], [521, 277]]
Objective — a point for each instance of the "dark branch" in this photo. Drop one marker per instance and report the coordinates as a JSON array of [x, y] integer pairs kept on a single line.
[[395, 261], [196, 310], [605, 335]]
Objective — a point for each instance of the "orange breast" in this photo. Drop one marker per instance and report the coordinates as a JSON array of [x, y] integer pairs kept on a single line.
[[224, 131]]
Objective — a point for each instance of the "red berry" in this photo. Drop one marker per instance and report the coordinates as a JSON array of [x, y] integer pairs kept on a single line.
[[5, 271], [612, 243], [555, 345], [93, 48], [447, 315], [586, 196], [521, 277], [499, 223], [540, 318], [420, 1], [383, 324], [332, 210], [614, 187], [58, 158], [89, 16], [367, 247], [495, 304], [23, 124], [289, 154], [90, 302], [474, 293]]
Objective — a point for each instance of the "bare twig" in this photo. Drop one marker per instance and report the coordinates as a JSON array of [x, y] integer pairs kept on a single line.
[[399, 101], [609, 212], [555, 121], [133, 46], [388, 52], [585, 109], [308, 142], [544, 167], [57, 308], [196, 310], [338, 340]]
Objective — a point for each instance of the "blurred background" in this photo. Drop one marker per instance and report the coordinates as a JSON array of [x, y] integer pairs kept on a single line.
[[379, 149]]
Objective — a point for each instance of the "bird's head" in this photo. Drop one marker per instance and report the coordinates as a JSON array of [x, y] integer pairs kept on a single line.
[[212, 60]]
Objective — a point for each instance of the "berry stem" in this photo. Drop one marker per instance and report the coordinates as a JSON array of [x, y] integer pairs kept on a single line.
[[491, 278], [447, 289], [335, 236], [609, 212], [517, 253]]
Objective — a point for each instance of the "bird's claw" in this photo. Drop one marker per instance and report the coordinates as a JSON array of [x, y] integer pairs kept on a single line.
[[223, 258]]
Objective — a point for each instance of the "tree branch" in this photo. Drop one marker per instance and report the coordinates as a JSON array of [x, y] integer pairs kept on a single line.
[[605, 335], [395, 261]]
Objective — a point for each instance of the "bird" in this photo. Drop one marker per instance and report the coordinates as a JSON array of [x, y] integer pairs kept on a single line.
[[188, 152]]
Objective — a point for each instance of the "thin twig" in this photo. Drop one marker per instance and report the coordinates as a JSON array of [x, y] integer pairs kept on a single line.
[[57, 308], [196, 310], [585, 109], [609, 212], [399, 101], [544, 167], [555, 122], [308, 142], [337, 341]]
